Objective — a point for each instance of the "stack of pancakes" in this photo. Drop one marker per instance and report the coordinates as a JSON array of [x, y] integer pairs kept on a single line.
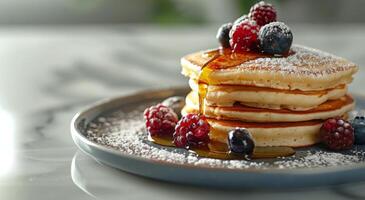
[[282, 101]]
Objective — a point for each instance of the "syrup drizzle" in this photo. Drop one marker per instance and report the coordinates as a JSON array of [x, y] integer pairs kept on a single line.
[[218, 59], [224, 59], [204, 78]]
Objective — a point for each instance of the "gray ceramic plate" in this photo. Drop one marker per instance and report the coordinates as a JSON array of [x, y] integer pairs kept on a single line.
[[112, 132]]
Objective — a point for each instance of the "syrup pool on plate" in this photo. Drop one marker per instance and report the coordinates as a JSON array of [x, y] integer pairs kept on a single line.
[[219, 150]]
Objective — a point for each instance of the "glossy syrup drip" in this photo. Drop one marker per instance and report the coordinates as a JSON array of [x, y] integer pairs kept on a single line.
[[223, 59], [219, 150], [203, 78], [219, 59], [216, 60]]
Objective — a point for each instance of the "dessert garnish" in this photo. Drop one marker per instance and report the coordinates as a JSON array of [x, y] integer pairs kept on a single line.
[[243, 36], [240, 19], [223, 35], [275, 38], [176, 103], [191, 131], [258, 31], [240, 142], [358, 123], [262, 13], [278, 95], [337, 134], [160, 120]]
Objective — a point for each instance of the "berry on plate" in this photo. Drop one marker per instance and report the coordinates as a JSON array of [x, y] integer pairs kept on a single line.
[[358, 123], [243, 36], [263, 13], [240, 141], [337, 134], [275, 38], [223, 35], [160, 120], [176, 103], [191, 131]]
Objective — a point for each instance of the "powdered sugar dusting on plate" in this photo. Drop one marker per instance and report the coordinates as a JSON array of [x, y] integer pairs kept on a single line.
[[124, 131]]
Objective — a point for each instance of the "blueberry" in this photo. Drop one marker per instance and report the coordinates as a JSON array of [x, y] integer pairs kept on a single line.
[[223, 35], [240, 141], [240, 19], [176, 103], [275, 38], [358, 123]]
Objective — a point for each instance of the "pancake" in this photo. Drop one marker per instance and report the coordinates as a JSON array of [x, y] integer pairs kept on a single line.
[[239, 112], [304, 69], [282, 101], [292, 134], [227, 95]]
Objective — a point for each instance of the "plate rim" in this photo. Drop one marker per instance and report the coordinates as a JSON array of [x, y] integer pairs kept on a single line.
[[76, 134]]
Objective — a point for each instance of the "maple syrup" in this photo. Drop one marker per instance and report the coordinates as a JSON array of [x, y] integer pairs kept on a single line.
[[215, 60], [219, 59], [220, 150]]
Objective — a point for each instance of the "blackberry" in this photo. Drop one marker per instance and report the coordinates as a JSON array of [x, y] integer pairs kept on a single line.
[[358, 123], [176, 103], [241, 19], [223, 35]]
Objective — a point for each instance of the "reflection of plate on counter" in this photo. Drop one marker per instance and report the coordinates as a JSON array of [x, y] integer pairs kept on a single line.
[[113, 132]]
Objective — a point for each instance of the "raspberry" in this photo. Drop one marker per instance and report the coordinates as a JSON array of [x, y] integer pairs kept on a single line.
[[263, 13], [160, 120], [337, 134], [191, 131], [243, 36], [176, 103]]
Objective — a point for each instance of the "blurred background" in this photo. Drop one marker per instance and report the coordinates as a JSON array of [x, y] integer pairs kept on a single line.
[[171, 12]]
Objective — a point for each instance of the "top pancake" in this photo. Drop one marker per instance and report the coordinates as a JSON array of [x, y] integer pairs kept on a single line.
[[304, 69]]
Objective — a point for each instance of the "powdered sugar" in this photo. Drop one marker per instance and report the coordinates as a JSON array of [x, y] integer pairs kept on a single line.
[[274, 25], [302, 61], [124, 131]]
